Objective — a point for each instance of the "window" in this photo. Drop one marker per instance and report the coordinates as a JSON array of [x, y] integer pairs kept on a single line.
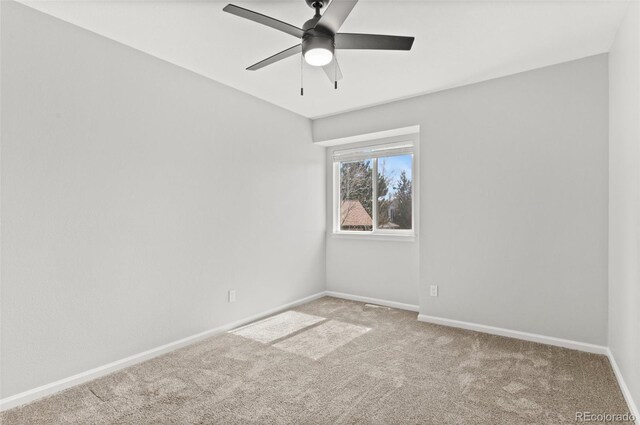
[[374, 190]]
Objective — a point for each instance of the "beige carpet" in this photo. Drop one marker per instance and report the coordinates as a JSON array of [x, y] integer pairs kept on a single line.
[[343, 363]]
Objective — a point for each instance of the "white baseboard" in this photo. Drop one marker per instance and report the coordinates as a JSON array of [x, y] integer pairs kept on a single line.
[[542, 339], [633, 408], [392, 304], [62, 384]]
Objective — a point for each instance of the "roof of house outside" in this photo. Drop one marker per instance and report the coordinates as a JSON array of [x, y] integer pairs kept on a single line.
[[352, 213]]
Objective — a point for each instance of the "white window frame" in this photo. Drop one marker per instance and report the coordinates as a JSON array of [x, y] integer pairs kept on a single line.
[[373, 150]]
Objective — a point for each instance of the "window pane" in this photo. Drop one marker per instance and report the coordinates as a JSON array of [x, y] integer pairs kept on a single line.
[[394, 192], [356, 195]]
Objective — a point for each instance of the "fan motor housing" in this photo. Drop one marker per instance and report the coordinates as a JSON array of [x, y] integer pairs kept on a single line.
[[314, 39]]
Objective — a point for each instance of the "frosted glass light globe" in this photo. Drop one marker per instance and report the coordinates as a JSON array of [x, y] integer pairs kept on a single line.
[[318, 56]]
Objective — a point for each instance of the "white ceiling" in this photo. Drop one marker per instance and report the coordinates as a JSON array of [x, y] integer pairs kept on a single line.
[[457, 43]]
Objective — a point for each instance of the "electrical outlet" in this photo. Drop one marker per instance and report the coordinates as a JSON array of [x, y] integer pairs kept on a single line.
[[232, 295], [434, 290]]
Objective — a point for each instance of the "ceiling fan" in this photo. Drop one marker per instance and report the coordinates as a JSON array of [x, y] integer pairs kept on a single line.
[[320, 37]]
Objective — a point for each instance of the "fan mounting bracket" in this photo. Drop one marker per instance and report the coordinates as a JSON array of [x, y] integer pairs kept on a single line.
[[316, 4]]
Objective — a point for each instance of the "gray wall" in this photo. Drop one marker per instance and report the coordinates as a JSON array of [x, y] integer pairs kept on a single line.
[[134, 195], [383, 269], [513, 194], [624, 196]]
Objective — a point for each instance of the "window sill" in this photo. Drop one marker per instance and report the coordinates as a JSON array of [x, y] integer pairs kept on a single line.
[[366, 236]]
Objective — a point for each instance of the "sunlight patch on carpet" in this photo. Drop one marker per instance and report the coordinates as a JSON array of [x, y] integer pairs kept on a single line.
[[276, 327], [321, 340]]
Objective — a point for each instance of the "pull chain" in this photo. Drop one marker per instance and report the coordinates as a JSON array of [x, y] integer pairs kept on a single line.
[[301, 75], [335, 71]]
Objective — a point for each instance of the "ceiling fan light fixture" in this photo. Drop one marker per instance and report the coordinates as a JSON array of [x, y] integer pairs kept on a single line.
[[320, 37], [318, 56], [317, 48]]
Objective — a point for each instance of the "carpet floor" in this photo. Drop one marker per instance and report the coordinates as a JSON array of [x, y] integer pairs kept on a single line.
[[333, 361]]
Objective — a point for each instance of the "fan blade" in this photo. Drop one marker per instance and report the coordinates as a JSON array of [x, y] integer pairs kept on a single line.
[[264, 20], [336, 14], [373, 41], [333, 71], [277, 57]]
